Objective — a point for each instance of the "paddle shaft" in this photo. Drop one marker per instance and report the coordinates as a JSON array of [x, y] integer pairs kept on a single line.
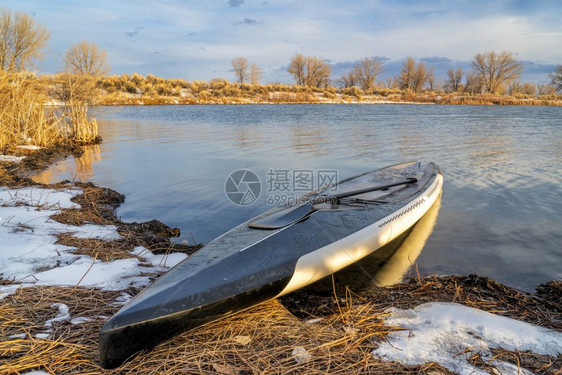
[[295, 214], [337, 197]]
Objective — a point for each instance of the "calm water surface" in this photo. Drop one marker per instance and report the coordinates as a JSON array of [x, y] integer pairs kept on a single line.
[[501, 209]]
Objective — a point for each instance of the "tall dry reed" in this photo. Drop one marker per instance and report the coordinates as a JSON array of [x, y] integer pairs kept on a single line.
[[28, 115]]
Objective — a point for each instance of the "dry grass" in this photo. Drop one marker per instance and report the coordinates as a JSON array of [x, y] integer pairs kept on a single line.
[[150, 90], [260, 340], [66, 350], [26, 117]]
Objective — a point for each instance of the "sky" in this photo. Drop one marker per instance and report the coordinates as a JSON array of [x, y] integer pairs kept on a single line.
[[196, 40]]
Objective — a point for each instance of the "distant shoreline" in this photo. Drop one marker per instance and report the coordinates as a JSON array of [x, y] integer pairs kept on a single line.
[[484, 101]]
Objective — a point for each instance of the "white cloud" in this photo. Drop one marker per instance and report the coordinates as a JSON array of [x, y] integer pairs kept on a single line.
[[202, 38]]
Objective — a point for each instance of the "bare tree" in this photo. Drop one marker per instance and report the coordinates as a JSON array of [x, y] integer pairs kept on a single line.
[[556, 78], [473, 83], [366, 72], [419, 78], [255, 74], [85, 58], [413, 77], [348, 80], [527, 88], [545, 89], [240, 66], [317, 72], [391, 82], [405, 79], [297, 68], [454, 81], [21, 40], [309, 71], [496, 69], [514, 88], [422, 75]]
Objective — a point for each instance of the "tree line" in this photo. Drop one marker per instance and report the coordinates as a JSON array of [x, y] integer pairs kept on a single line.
[[492, 72]]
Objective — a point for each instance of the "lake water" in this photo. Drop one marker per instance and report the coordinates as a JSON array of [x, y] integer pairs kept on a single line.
[[501, 208]]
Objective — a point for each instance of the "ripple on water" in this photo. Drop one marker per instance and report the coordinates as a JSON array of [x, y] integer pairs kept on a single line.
[[502, 199]]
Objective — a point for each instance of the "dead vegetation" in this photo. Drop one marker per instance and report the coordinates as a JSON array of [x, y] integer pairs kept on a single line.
[[137, 89], [266, 339], [28, 117]]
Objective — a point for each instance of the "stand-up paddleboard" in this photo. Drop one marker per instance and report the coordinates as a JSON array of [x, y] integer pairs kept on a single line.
[[273, 254]]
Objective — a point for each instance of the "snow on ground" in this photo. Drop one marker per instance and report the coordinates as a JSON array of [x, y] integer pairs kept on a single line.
[[35, 196], [11, 158], [29, 147], [161, 260], [62, 315], [30, 256], [449, 334]]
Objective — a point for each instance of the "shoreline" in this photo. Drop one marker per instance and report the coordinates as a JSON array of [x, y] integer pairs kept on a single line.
[[479, 101], [300, 332]]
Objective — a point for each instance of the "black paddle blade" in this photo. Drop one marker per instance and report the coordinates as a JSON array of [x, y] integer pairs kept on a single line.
[[283, 218]]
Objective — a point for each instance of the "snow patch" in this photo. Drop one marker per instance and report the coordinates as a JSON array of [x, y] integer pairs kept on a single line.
[[314, 320], [160, 260], [29, 254], [115, 275], [11, 158], [122, 299], [449, 334], [62, 315], [29, 147], [81, 320], [28, 234], [6, 290], [39, 197], [101, 232], [301, 355]]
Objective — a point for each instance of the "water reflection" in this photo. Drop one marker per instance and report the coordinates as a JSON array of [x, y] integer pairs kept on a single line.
[[386, 266], [80, 169], [501, 165]]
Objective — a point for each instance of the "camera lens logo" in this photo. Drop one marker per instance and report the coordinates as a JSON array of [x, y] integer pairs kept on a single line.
[[242, 187]]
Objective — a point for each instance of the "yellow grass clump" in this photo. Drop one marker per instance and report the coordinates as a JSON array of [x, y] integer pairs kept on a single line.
[[29, 116]]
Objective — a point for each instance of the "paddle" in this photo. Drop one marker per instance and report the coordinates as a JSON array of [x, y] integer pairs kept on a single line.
[[299, 212]]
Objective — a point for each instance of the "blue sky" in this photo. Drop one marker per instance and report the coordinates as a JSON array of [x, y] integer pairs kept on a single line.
[[198, 39]]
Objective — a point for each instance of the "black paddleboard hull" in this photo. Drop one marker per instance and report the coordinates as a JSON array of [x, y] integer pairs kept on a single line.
[[246, 265], [119, 344]]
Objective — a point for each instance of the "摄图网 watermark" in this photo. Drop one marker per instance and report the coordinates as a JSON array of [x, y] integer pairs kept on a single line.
[[243, 187]]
